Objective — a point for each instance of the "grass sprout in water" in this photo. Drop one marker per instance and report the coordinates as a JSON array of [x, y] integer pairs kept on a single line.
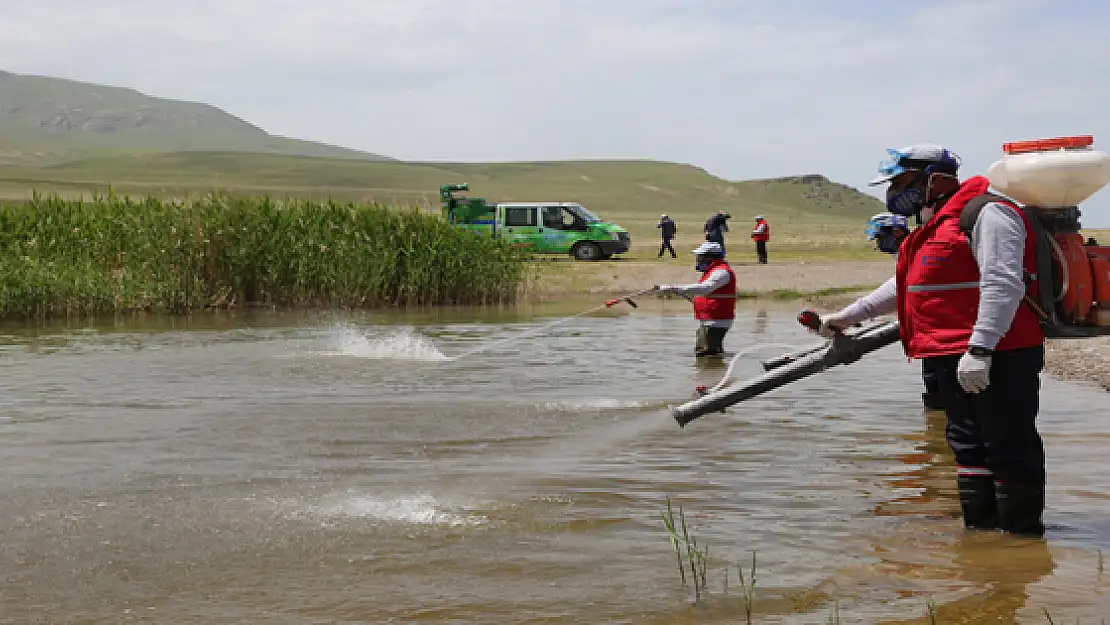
[[693, 563]]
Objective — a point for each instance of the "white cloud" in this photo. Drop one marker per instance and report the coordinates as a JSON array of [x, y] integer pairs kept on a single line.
[[743, 88]]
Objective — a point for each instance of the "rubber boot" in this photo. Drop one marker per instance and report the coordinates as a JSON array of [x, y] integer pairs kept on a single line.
[[1020, 507], [978, 501]]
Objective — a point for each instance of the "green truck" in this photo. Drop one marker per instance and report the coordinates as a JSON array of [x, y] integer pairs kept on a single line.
[[541, 227]]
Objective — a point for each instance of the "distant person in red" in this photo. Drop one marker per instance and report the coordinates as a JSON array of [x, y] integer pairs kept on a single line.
[[761, 234]]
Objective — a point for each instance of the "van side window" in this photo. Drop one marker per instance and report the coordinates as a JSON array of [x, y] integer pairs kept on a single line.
[[553, 217], [520, 215]]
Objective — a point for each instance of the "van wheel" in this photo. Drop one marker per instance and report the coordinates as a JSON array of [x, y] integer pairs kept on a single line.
[[587, 251]]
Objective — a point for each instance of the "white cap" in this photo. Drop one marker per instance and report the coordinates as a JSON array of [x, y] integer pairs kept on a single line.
[[758, 217], [709, 247]]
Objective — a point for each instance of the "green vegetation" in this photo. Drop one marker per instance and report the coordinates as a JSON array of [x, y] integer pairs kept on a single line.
[[48, 120], [64, 257]]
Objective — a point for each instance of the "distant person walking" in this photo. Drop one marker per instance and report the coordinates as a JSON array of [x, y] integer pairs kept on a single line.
[[715, 229], [761, 234], [667, 228]]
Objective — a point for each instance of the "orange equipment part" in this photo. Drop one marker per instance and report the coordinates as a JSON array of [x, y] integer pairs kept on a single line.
[[1041, 145], [1078, 297], [1100, 272]]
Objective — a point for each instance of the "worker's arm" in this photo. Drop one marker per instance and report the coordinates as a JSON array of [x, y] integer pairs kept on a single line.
[[717, 279], [881, 301], [759, 229], [998, 243]]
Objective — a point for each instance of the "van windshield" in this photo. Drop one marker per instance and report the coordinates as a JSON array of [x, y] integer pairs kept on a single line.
[[582, 213]]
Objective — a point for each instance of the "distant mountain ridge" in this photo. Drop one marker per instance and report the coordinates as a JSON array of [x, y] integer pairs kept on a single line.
[[49, 120]]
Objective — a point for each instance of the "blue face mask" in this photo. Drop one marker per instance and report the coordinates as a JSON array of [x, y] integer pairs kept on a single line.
[[906, 202]]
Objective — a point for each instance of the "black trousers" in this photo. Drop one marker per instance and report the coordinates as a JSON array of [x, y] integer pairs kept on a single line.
[[761, 251], [710, 341], [996, 429], [1000, 460], [667, 246]]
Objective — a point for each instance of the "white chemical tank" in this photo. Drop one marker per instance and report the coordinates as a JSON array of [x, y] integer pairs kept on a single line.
[[1051, 173]]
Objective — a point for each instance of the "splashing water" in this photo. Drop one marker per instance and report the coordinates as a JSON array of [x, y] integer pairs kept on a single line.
[[414, 509], [404, 344]]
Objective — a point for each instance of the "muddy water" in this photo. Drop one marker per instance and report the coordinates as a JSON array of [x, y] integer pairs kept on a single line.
[[299, 469]]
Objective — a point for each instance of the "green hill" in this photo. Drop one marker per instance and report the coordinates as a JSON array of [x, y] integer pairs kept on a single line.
[[76, 138], [48, 120]]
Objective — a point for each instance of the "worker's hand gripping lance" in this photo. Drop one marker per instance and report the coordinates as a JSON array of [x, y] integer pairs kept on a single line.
[[842, 349]]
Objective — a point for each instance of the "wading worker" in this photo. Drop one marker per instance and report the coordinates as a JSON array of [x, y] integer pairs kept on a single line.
[[960, 310], [714, 298]]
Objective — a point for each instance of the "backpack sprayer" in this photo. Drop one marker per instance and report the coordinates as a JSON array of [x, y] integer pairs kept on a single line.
[[1049, 178]]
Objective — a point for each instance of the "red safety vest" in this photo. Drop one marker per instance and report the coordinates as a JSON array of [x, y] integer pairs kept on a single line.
[[938, 284], [761, 236], [721, 302]]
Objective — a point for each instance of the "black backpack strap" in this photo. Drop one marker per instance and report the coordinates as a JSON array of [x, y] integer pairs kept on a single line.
[[970, 213], [1044, 303]]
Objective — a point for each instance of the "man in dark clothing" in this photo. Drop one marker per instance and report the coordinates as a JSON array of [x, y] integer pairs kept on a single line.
[[667, 229], [716, 227]]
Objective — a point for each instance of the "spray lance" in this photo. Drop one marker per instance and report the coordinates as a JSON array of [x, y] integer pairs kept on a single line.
[[543, 328], [841, 350]]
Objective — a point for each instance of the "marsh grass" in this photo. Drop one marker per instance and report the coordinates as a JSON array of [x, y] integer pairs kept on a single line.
[[111, 254]]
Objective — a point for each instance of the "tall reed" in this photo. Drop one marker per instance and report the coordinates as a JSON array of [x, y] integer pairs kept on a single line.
[[112, 254]]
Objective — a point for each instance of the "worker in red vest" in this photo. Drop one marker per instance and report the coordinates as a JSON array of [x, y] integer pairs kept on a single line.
[[761, 234], [714, 298], [959, 307]]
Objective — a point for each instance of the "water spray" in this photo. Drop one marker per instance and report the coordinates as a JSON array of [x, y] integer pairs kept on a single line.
[[543, 328]]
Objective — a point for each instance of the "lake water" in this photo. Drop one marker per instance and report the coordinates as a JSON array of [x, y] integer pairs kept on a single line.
[[351, 469]]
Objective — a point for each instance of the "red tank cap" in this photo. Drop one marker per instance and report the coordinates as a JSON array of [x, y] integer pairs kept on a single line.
[[1056, 143]]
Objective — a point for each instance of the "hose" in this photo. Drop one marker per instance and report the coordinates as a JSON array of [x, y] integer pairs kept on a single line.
[[740, 354]]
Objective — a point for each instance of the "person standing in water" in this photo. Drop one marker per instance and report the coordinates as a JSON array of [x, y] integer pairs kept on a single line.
[[714, 298]]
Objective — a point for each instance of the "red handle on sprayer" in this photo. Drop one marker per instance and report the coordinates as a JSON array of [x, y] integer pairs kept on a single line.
[[614, 302], [810, 319]]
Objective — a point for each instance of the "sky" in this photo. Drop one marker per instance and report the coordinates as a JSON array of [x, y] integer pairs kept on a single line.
[[743, 88]]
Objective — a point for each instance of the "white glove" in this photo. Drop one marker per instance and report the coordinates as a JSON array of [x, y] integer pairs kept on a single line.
[[830, 324], [974, 373]]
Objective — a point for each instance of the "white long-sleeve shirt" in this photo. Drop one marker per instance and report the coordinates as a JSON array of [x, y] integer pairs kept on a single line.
[[998, 246], [716, 279]]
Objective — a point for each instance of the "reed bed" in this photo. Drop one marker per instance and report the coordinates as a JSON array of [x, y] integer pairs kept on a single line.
[[110, 254]]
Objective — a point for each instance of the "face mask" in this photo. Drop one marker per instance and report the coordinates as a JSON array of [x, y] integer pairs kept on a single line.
[[906, 202]]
